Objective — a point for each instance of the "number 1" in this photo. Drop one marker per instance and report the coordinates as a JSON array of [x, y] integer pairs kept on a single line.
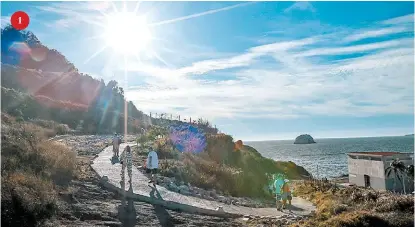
[[20, 20]]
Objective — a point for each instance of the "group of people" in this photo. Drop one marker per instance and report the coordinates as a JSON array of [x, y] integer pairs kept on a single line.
[[280, 186], [126, 161]]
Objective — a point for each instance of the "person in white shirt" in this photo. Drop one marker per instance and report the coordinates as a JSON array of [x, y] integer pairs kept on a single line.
[[152, 165], [116, 145], [126, 161]]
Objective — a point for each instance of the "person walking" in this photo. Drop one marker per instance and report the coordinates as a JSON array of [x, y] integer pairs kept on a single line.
[[286, 195], [152, 165], [278, 183], [115, 145], [126, 160]]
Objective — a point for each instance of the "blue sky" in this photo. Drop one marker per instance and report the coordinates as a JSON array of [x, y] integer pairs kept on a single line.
[[259, 71]]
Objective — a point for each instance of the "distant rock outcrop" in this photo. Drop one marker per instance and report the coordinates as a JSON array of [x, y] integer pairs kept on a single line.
[[304, 139]]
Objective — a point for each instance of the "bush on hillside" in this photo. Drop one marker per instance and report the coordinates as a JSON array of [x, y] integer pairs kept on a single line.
[[31, 169], [59, 129], [353, 206]]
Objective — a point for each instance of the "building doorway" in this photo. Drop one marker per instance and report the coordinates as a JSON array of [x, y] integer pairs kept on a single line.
[[367, 180]]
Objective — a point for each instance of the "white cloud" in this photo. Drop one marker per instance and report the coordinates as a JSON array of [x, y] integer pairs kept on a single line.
[[201, 14], [356, 48], [400, 20], [5, 20], [294, 85], [303, 6], [375, 33]]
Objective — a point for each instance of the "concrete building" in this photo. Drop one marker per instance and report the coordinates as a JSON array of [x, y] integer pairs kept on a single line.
[[367, 169]]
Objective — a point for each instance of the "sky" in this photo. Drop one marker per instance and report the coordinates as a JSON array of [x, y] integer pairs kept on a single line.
[[256, 70]]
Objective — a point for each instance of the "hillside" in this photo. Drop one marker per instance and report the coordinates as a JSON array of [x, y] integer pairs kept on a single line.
[[38, 82]]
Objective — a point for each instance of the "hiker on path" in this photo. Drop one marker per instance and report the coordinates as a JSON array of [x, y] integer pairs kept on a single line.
[[152, 165], [278, 183], [286, 194], [126, 160], [116, 141]]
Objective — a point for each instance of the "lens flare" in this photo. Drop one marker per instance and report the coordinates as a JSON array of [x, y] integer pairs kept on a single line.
[[187, 138]]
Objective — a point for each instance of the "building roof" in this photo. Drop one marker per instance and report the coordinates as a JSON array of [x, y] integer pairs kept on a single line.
[[378, 153]]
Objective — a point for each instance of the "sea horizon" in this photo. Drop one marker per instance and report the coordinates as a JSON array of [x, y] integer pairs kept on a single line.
[[323, 138]]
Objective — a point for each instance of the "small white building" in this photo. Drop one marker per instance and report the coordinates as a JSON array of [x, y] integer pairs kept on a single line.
[[367, 169]]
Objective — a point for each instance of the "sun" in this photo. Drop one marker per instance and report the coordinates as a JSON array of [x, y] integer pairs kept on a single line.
[[127, 33]]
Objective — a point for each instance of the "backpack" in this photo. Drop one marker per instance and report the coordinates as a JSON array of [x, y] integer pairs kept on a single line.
[[119, 141]]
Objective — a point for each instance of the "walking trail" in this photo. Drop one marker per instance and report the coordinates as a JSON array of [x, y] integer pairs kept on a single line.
[[140, 190]]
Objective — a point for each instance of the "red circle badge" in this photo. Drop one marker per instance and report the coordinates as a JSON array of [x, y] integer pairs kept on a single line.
[[19, 20]]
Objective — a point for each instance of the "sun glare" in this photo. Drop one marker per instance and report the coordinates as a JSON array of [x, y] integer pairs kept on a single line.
[[127, 33]]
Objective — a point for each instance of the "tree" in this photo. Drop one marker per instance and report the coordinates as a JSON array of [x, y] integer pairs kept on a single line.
[[397, 169]]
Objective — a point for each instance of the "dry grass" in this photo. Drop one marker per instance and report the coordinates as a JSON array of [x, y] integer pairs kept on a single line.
[[353, 207], [58, 129], [32, 170]]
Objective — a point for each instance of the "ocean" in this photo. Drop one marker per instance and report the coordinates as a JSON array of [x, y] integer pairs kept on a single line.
[[327, 157]]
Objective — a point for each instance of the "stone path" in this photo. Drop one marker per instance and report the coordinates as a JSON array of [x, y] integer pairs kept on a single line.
[[110, 175]]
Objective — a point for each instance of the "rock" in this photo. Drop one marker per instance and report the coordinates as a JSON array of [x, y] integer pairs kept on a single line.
[[184, 189], [220, 209], [173, 187], [304, 139], [167, 180], [104, 179]]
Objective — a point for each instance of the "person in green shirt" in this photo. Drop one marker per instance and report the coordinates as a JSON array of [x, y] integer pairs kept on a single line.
[[278, 183]]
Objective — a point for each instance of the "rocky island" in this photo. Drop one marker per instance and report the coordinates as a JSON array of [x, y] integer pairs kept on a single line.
[[304, 139]]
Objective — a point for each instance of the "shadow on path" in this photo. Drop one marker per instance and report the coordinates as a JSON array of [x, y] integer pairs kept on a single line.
[[115, 160], [163, 216], [127, 213], [293, 208]]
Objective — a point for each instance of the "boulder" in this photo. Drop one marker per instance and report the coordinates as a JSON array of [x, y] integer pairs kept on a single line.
[[304, 139]]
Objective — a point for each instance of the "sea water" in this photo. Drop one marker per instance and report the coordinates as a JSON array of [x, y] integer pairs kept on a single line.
[[328, 157]]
